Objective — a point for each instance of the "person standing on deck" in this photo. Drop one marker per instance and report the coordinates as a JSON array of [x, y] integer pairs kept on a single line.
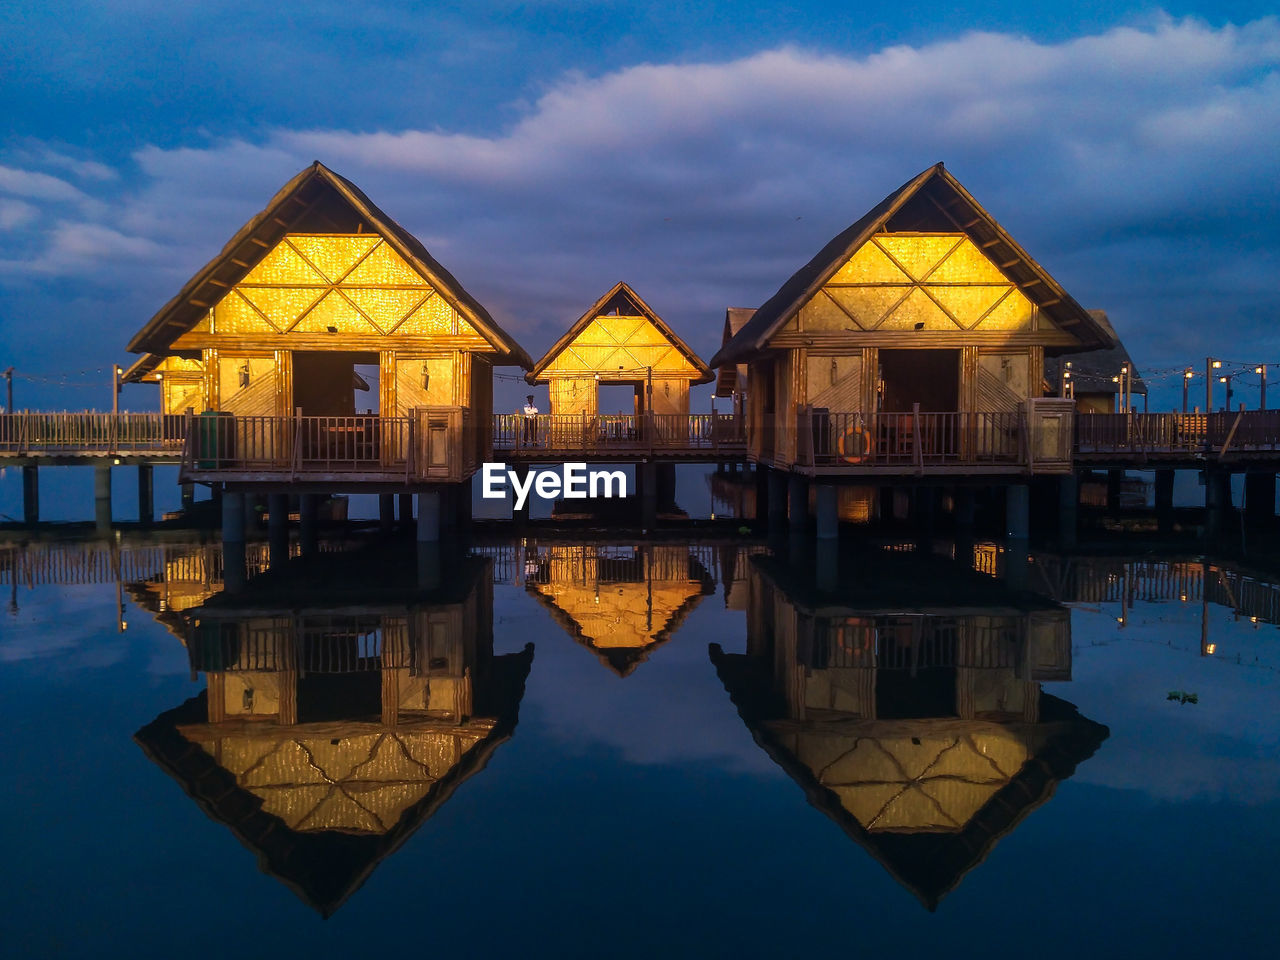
[[530, 420]]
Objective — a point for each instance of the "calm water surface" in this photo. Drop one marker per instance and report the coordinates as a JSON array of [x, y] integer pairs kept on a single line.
[[692, 749]]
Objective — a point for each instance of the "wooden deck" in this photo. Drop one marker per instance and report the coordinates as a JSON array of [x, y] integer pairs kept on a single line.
[[447, 444]]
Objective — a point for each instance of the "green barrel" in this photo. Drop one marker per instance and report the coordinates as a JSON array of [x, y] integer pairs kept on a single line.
[[215, 438]]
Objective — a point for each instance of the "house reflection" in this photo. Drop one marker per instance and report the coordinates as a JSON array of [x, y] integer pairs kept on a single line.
[[908, 706], [342, 707], [620, 602]]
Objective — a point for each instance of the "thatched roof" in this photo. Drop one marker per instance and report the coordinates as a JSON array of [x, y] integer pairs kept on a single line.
[[1092, 370], [322, 866], [929, 861], [932, 200], [316, 200], [731, 378], [624, 293]]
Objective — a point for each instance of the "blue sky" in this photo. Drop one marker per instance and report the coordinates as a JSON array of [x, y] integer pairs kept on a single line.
[[701, 151]]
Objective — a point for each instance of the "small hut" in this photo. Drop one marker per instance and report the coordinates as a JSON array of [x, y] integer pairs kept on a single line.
[[620, 340], [731, 378], [1096, 382], [924, 305], [318, 284]]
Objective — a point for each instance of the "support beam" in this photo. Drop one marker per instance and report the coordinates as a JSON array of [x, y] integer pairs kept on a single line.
[[406, 509], [386, 512], [429, 517], [827, 510], [761, 479], [233, 517], [797, 502], [188, 495], [102, 496], [146, 494], [30, 494], [1068, 510], [777, 511]]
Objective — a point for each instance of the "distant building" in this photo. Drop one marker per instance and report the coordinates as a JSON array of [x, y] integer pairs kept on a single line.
[[1095, 380]]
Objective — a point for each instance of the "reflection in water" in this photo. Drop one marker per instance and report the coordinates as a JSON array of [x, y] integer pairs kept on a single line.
[[908, 706], [343, 706]]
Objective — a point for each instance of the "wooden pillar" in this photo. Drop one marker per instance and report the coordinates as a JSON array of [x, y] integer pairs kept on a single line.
[[777, 510], [1068, 510], [828, 514], [189, 495], [102, 496], [429, 516], [826, 560], [30, 494], [277, 529], [797, 502], [232, 516], [386, 512], [146, 494], [1164, 500], [406, 508], [761, 479], [666, 484], [309, 523]]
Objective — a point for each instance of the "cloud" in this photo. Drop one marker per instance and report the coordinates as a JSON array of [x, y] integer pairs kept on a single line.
[[1135, 164]]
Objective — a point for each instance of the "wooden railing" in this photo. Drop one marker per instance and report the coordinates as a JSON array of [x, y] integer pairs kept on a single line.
[[436, 443], [1037, 437], [1172, 434], [625, 434], [90, 433]]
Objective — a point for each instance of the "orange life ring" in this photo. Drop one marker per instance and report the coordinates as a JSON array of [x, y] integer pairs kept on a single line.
[[861, 438]]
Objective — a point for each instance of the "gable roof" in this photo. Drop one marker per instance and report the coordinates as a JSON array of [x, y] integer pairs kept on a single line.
[[1092, 370], [289, 211], [948, 199], [732, 377], [704, 372]]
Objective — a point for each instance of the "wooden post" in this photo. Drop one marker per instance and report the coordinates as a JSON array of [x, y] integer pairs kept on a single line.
[[429, 516], [309, 523], [188, 492], [827, 511], [406, 508], [1018, 512], [1164, 500], [647, 474], [277, 529], [1068, 510], [30, 494], [797, 503], [386, 512], [146, 494]]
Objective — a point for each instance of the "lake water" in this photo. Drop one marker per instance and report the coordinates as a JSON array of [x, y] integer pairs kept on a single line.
[[559, 747]]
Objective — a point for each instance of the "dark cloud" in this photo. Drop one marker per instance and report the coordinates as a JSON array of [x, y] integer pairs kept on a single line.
[[1134, 163]]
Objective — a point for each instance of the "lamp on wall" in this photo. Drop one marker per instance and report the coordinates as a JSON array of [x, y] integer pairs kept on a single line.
[[426, 376], [244, 374]]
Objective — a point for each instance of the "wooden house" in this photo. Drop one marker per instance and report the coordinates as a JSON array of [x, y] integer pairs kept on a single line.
[[318, 284], [619, 340], [921, 730], [731, 378], [342, 709], [915, 338], [1096, 381], [620, 602]]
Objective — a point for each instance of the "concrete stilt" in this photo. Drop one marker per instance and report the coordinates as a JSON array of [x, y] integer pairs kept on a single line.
[[102, 496], [146, 494], [309, 523], [777, 499], [429, 516], [666, 473], [647, 474], [188, 495], [406, 509], [1017, 512], [762, 494], [1260, 499], [1068, 510], [1115, 480], [1164, 500], [232, 516], [277, 529], [386, 512], [827, 510], [797, 502], [31, 494], [428, 566], [826, 560]]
